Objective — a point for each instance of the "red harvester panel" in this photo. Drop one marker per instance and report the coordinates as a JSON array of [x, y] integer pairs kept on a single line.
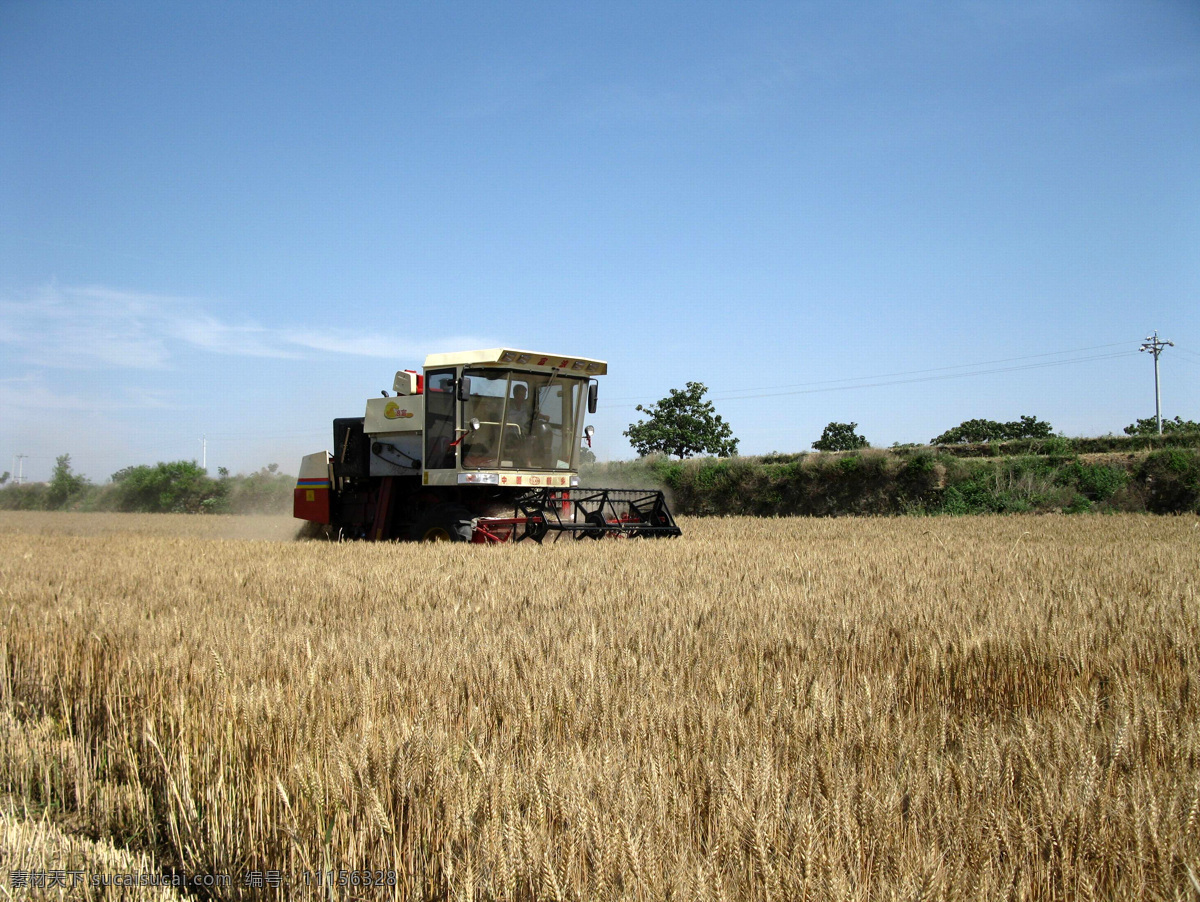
[[311, 502]]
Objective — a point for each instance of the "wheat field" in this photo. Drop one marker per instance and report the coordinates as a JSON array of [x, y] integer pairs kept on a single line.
[[908, 708]]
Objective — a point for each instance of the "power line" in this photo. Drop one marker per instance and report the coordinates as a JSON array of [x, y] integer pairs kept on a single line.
[[937, 378], [937, 369], [932, 378], [1187, 352], [962, 366], [860, 383]]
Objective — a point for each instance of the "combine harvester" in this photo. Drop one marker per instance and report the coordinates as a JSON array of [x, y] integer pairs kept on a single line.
[[484, 447]]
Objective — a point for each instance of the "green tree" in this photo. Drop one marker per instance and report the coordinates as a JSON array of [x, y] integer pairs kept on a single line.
[[840, 437], [177, 487], [973, 431], [1149, 426], [683, 424], [63, 483], [1028, 427], [970, 431], [4, 477], [586, 455]]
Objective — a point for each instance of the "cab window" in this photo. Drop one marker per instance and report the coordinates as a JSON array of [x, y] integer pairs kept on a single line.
[[439, 420]]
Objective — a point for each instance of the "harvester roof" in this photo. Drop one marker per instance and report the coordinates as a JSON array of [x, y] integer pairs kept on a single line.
[[511, 357]]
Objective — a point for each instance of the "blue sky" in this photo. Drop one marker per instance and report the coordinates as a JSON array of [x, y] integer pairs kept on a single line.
[[237, 220]]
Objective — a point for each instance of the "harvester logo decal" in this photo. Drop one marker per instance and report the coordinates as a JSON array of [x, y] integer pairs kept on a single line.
[[394, 411]]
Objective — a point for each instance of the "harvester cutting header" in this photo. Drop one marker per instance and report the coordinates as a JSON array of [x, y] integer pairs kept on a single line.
[[482, 447]]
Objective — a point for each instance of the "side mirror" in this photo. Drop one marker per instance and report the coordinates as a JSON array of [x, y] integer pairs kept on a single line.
[[474, 424], [464, 388], [588, 432], [593, 393]]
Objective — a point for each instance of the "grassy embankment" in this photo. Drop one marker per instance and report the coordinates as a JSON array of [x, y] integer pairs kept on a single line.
[[1143, 474], [1078, 475]]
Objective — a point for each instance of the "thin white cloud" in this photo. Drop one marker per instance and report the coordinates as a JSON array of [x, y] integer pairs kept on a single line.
[[78, 329], [207, 332], [385, 346], [29, 394], [94, 327], [357, 345]]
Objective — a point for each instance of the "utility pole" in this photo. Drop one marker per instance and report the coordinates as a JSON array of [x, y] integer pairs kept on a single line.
[[1155, 345], [20, 475], [204, 452]]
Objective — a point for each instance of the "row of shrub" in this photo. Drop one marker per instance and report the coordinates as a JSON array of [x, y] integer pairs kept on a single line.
[[177, 487], [1055, 445], [1051, 476], [928, 481]]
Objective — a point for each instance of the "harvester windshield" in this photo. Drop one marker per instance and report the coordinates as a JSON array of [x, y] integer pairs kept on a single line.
[[527, 421]]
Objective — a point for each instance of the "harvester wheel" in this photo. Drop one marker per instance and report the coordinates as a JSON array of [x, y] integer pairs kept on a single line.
[[595, 520], [444, 523]]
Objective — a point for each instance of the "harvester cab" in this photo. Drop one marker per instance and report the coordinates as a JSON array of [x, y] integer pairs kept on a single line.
[[483, 447]]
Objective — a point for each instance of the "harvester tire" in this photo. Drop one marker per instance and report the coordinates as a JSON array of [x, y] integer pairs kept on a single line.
[[598, 525], [444, 523]]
